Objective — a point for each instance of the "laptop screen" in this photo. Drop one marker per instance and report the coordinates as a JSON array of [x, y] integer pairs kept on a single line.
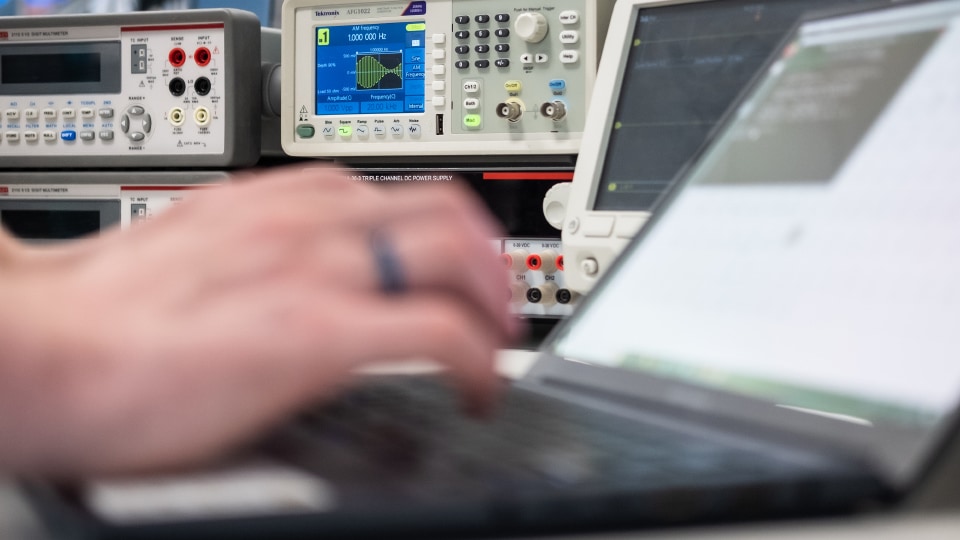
[[811, 258]]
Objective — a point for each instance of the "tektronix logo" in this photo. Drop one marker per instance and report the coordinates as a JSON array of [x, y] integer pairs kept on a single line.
[[4, 34], [324, 13], [4, 190]]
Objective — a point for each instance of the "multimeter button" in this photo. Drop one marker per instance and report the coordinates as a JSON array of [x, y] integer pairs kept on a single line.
[[482, 34], [461, 64], [482, 49], [502, 62], [125, 123], [569, 57], [11, 114], [462, 19], [482, 19], [136, 110], [472, 121], [482, 64], [147, 124], [30, 136], [12, 136], [137, 136], [502, 32], [396, 130], [462, 34], [47, 113], [105, 113], [569, 37], [471, 104], [88, 135], [439, 102], [49, 136], [569, 17], [502, 17], [30, 114], [598, 227], [461, 49], [328, 131], [471, 87], [68, 113], [414, 130], [558, 84], [363, 132], [68, 135], [106, 135], [86, 112]]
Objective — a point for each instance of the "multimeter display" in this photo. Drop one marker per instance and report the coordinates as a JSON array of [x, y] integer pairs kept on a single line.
[[370, 68]]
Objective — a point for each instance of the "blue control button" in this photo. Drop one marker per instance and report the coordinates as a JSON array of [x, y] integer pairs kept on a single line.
[[558, 84], [68, 135]]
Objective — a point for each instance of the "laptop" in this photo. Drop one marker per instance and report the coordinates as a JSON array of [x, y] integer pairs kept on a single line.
[[779, 341]]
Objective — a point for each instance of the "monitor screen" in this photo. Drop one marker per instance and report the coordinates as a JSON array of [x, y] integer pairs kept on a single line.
[[686, 64]]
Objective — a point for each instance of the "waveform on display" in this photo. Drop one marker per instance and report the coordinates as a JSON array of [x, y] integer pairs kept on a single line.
[[380, 71]]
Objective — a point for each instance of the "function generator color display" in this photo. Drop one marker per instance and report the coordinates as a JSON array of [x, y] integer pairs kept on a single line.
[[371, 68], [438, 77]]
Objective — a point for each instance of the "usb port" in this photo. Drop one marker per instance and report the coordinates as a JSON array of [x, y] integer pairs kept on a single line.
[[439, 124]]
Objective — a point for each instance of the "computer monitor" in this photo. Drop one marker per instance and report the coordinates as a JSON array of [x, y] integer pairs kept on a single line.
[[670, 69]]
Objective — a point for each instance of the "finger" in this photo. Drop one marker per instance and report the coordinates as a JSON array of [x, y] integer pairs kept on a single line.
[[424, 326], [434, 255]]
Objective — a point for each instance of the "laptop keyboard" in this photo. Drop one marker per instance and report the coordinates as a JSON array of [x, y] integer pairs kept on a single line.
[[413, 427]]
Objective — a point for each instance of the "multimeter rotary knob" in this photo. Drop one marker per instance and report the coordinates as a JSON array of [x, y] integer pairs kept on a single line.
[[531, 27]]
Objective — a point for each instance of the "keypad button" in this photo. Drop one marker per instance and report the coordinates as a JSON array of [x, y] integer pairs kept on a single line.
[[569, 17], [482, 64], [462, 19], [502, 17], [569, 37], [461, 64], [482, 19], [461, 49], [569, 57], [502, 32], [502, 62], [502, 47], [482, 34], [482, 49], [462, 34]]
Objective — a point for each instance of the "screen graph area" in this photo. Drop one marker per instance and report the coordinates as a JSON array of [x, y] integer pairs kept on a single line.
[[370, 68]]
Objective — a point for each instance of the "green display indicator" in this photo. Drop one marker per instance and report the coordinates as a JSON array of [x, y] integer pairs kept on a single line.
[[472, 121], [345, 131], [416, 27], [323, 36]]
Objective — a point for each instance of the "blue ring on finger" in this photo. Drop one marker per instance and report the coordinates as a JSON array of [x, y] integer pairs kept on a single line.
[[389, 268]]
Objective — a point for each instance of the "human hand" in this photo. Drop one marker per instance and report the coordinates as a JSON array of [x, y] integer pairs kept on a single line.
[[188, 334]]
